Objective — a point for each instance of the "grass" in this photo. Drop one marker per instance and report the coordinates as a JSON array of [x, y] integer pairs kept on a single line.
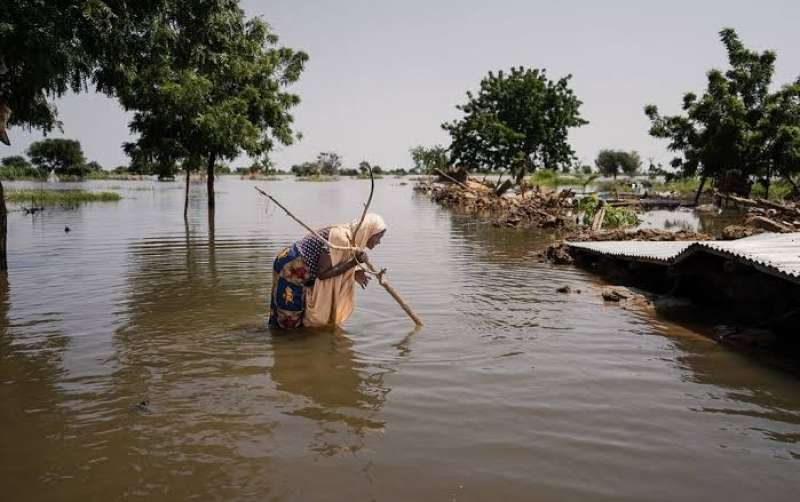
[[683, 186], [66, 198], [778, 190], [317, 178], [552, 179]]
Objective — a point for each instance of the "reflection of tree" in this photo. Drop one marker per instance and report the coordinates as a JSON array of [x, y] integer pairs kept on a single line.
[[33, 417], [336, 390]]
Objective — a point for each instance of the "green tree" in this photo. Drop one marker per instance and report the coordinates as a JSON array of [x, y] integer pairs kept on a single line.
[[614, 162], [17, 166], [50, 47], [517, 121], [737, 129], [64, 156], [329, 163], [208, 85], [306, 169], [429, 159]]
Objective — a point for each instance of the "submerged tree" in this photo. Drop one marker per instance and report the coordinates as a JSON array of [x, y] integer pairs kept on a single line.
[[518, 121], [737, 130], [429, 159], [614, 162], [64, 156], [329, 163], [212, 84]]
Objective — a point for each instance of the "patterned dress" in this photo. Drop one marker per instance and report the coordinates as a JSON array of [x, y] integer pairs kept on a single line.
[[295, 268]]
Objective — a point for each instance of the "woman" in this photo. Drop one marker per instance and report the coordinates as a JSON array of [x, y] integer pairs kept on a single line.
[[313, 283]]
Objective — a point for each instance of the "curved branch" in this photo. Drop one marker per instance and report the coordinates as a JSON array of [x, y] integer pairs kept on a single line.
[[366, 206]]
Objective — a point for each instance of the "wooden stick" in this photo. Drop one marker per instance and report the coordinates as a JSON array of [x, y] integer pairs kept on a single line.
[[383, 282], [462, 185], [366, 206], [314, 232]]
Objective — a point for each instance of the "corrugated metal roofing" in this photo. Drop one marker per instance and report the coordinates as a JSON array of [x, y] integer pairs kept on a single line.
[[776, 254]]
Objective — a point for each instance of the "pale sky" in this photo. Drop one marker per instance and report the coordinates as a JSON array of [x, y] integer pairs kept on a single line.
[[383, 76]]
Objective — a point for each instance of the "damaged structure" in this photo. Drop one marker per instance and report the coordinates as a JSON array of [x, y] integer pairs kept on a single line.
[[756, 280]]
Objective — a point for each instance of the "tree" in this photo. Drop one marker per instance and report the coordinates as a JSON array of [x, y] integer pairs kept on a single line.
[[518, 121], [64, 156], [329, 163], [17, 166], [614, 162], [305, 169], [208, 85], [363, 167], [50, 47], [429, 159], [737, 130]]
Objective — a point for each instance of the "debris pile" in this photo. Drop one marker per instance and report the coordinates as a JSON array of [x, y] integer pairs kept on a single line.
[[764, 215], [535, 208]]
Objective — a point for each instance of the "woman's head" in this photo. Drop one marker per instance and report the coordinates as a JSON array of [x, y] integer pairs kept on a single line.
[[370, 232]]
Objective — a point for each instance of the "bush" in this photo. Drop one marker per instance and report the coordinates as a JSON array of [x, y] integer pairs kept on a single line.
[[614, 217]]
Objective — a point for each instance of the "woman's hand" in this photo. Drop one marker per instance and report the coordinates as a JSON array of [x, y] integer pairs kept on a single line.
[[362, 278], [361, 256]]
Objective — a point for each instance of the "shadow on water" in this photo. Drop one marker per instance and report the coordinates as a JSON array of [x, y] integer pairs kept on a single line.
[[329, 386]]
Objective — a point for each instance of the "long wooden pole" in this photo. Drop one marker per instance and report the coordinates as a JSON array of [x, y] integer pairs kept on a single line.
[[378, 273], [389, 289]]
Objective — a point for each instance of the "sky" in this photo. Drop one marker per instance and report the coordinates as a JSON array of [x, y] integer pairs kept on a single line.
[[383, 76]]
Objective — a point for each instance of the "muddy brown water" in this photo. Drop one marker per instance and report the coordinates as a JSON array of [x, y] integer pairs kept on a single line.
[[134, 365]]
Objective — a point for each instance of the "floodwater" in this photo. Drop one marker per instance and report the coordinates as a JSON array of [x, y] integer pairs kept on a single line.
[[134, 364]]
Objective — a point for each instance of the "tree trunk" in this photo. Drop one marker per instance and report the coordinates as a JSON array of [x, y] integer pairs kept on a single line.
[[699, 190], [186, 195], [3, 229], [212, 160]]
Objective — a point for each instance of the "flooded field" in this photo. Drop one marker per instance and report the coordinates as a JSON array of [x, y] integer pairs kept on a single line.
[[134, 364]]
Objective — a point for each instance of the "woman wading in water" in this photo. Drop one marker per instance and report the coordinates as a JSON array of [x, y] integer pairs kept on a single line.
[[313, 283]]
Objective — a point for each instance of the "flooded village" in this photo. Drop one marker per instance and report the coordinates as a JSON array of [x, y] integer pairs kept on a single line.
[[359, 262]]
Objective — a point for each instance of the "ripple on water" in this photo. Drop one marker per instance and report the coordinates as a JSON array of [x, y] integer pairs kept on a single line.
[[135, 361]]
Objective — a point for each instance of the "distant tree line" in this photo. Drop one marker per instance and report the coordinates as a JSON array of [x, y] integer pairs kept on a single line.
[[330, 164], [64, 157]]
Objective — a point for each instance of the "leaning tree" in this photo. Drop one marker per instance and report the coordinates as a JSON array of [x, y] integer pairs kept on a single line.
[[518, 121]]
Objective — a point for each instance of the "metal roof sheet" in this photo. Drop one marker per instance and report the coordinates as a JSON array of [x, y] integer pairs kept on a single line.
[[776, 254]]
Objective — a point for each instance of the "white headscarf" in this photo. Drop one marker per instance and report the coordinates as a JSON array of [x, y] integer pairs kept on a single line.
[[331, 301]]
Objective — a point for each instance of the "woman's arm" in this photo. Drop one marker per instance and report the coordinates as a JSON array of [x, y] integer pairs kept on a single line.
[[327, 270]]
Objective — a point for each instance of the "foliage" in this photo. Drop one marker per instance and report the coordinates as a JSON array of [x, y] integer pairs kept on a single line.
[[614, 217], [737, 127], [329, 163], [518, 121], [428, 159], [683, 186], [64, 156], [306, 169], [66, 198], [614, 162], [17, 167], [207, 84]]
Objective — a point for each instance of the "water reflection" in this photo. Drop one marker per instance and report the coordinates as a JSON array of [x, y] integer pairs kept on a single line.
[[331, 386]]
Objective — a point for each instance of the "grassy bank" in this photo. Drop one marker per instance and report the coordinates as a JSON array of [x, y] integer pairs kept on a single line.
[[66, 198], [317, 178]]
